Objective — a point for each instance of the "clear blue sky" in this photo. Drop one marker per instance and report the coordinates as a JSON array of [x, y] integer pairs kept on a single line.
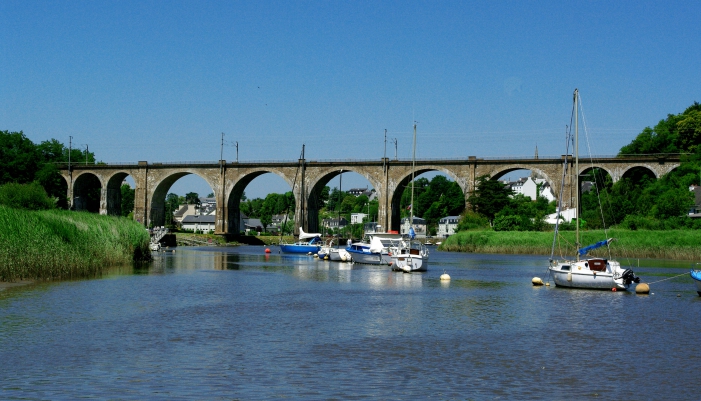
[[160, 81]]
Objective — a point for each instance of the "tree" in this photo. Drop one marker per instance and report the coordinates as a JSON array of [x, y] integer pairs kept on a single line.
[[211, 195], [192, 198], [18, 157], [489, 197], [127, 199]]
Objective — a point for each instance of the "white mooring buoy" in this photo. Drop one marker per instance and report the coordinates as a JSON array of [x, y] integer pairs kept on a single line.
[[537, 281], [445, 276]]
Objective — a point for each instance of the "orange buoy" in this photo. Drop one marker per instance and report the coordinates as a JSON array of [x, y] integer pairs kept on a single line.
[[613, 289], [267, 250]]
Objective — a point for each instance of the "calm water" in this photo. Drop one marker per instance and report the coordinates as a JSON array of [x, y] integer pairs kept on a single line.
[[232, 323]]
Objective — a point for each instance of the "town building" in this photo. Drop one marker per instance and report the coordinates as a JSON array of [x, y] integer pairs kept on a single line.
[[419, 226], [198, 223], [447, 226], [357, 218]]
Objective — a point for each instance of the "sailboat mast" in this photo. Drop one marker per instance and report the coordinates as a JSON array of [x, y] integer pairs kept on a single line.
[[576, 166], [413, 169]]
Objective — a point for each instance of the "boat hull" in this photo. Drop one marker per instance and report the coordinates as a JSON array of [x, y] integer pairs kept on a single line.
[[339, 255], [370, 258], [410, 263], [299, 249], [578, 275]]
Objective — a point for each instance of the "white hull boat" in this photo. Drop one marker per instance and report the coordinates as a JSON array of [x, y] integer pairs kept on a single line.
[[588, 273], [410, 257], [592, 273]]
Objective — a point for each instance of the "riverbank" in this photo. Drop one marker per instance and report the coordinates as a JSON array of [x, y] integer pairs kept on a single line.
[[671, 244], [60, 244]]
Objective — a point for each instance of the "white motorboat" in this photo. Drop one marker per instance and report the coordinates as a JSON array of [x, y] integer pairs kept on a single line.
[[409, 256], [592, 273], [376, 251]]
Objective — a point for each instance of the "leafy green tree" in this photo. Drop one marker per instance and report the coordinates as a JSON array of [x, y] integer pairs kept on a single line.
[[192, 198], [489, 197], [675, 134], [18, 157], [127, 199]]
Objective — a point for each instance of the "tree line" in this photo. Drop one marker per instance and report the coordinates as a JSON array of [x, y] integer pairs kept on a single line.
[[25, 162]]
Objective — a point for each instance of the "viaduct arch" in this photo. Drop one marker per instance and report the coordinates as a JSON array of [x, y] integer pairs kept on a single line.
[[307, 178]]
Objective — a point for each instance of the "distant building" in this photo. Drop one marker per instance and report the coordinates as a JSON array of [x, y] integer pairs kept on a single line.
[[198, 223], [695, 211], [357, 218], [527, 186], [335, 223], [448, 225], [419, 226]]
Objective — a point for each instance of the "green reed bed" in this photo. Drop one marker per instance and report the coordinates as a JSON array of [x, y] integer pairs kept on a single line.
[[58, 244], [671, 244]]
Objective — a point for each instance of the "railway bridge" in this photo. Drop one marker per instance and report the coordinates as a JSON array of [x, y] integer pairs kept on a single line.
[[307, 178]]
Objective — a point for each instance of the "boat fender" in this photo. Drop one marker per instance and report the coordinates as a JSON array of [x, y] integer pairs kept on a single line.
[[569, 276], [613, 289]]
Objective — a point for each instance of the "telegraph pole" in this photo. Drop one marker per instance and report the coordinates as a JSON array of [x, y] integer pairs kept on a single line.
[[237, 151], [395, 148]]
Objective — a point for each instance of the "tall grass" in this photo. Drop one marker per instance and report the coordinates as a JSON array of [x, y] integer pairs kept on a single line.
[[668, 244], [59, 244]]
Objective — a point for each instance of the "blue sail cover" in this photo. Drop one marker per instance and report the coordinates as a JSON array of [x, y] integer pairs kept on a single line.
[[412, 234], [586, 249]]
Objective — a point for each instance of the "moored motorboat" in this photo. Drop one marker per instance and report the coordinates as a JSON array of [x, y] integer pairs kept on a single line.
[[374, 252], [308, 243], [409, 256]]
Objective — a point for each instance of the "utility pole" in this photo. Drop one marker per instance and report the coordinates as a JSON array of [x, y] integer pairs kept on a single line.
[[86, 154], [70, 144], [395, 148], [237, 151], [384, 168], [221, 153]]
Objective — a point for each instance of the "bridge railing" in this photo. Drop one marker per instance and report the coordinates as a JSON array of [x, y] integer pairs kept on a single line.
[[401, 159]]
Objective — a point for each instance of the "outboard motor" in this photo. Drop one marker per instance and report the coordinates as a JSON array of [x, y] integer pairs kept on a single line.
[[629, 277]]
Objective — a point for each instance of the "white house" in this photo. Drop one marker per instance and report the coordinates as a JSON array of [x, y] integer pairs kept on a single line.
[[447, 225], [528, 187], [357, 218], [198, 223], [566, 215]]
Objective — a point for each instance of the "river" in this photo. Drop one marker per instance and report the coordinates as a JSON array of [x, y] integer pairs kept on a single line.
[[234, 323]]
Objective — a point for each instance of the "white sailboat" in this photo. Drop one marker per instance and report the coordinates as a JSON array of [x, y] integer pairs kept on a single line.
[[410, 255], [592, 273]]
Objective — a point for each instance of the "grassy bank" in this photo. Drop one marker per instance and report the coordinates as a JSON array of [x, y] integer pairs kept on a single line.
[[671, 244], [56, 244]]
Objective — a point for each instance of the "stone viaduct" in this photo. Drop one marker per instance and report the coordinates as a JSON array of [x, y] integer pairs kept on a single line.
[[307, 178]]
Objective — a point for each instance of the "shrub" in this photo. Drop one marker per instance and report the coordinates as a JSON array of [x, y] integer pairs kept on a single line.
[[471, 221], [25, 196]]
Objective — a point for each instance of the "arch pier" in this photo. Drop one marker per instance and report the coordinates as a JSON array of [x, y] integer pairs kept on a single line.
[[96, 187]]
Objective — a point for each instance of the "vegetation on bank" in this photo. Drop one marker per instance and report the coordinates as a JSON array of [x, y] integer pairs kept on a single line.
[[668, 244], [59, 244]]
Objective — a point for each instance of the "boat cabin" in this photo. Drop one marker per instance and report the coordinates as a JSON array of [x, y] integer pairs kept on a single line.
[[596, 265]]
